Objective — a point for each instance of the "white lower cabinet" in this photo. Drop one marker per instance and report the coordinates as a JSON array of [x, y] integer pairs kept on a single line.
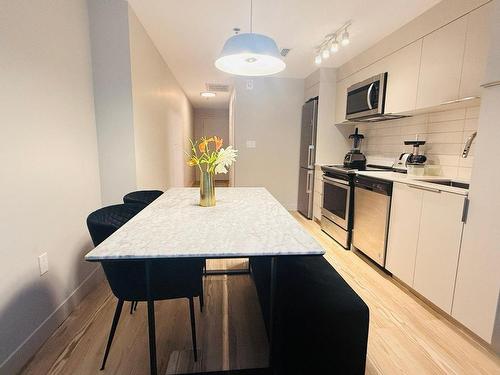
[[438, 247], [425, 233], [406, 206]]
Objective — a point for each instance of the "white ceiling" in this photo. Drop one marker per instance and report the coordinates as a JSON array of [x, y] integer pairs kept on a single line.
[[190, 34]]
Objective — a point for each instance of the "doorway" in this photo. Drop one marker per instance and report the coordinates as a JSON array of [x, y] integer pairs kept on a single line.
[[207, 123]]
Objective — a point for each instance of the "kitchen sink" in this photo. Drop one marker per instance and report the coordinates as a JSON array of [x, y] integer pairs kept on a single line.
[[452, 183]]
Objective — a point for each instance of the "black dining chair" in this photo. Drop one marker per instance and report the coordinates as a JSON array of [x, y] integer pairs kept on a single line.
[[107, 220], [147, 197], [150, 281], [168, 278], [144, 197]]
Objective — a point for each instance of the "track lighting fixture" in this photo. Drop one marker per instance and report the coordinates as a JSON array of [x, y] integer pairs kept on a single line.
[[330, 43]]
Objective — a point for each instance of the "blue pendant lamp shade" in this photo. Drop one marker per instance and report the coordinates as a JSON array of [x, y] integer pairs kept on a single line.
[[250, 54]]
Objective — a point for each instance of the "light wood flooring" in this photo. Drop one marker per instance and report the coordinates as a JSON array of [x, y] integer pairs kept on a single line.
[[406, 335]]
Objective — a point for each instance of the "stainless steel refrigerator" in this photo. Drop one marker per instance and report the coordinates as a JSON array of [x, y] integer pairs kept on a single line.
[[307, 157]]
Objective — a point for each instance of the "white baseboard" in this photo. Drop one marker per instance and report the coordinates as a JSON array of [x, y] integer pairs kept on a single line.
[[17, 359]]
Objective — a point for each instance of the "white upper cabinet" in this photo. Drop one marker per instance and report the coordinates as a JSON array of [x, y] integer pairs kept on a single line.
[[402, 81], [441, 64], [406, 206], [438, 249], [477, 43], [493, 67]]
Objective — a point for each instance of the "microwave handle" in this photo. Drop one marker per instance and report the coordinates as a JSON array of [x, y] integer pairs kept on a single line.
[[369, 95]]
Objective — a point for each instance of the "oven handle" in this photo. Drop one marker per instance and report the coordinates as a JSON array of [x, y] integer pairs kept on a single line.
[[369, 96], [330, 180]]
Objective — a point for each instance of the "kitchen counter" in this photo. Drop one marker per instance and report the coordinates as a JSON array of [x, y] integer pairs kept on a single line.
[[414, 180]]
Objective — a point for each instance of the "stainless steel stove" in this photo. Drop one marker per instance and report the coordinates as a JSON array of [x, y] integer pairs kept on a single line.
[[338, 200]]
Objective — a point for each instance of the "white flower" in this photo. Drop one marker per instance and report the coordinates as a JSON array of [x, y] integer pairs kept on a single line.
[[225, 159]]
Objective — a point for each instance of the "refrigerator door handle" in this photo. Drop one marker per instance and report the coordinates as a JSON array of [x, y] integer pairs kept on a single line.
[[309, 155], [309, 180]]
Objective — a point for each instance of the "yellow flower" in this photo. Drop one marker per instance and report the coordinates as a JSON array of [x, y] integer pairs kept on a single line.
[[218, 143], [192, 162], [203, 145]]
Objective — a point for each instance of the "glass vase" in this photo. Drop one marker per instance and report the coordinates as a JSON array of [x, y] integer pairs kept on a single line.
[[207, 189]]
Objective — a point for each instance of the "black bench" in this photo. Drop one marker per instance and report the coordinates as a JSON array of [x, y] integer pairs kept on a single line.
[[321, 324]]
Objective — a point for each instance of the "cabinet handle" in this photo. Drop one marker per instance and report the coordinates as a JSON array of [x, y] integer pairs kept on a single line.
[[424, 188], [465, 211], [460, 100]]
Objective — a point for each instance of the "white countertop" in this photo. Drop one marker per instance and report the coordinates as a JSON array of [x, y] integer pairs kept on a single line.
[[414, 180], [245, 222]]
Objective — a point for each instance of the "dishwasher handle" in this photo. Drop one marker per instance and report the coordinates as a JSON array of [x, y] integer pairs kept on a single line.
[[374, 185]]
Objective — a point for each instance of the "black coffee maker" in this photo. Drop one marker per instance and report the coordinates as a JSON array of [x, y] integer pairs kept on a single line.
[[355, 159]]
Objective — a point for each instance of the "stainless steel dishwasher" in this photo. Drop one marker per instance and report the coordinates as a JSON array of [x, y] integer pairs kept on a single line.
[[372, 206]]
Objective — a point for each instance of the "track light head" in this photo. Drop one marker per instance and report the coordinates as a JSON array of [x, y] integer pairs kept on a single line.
[[335, 46], [345, 38]]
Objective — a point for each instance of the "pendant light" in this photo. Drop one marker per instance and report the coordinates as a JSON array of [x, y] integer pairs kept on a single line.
[[250, 54]]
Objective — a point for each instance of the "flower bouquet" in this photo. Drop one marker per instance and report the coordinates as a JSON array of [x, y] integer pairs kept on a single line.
[[211, 158]]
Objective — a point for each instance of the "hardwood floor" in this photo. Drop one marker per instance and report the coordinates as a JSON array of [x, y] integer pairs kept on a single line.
[[406, 335]]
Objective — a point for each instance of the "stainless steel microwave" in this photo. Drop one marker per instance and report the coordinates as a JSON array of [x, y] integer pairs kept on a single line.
[[366, 100]]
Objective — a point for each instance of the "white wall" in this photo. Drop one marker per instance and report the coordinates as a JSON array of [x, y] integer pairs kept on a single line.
[[49, 169], [109, 33], [209, 122], [270, 115], [162, 116], [332, 140], [144, 118]]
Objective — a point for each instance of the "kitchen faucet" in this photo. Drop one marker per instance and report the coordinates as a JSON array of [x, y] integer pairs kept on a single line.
[[465, 152]]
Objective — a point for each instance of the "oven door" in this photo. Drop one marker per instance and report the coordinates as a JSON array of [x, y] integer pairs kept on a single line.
[[336, 198], [366, 98]]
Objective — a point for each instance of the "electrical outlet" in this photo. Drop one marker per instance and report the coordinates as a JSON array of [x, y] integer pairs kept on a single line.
[[251, 144], [43, 263]]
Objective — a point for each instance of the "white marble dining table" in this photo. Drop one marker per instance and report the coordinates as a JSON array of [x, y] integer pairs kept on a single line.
[[246, 222]]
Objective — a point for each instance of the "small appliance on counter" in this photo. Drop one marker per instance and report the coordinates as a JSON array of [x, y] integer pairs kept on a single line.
[[411, 162], [355, 159]]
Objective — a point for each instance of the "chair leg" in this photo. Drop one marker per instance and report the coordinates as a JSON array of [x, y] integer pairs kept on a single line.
[[132, 307], [116, 318], [152, 337], [202, 297], [135, 306], [193, 328]]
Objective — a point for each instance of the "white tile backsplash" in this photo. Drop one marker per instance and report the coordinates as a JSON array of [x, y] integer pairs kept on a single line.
[[445, 133]]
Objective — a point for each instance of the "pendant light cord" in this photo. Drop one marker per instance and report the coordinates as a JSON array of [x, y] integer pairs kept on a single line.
[[251, 16]]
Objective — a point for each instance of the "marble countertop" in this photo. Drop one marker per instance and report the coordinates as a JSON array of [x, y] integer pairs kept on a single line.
[[245, 222], [414, 180]]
